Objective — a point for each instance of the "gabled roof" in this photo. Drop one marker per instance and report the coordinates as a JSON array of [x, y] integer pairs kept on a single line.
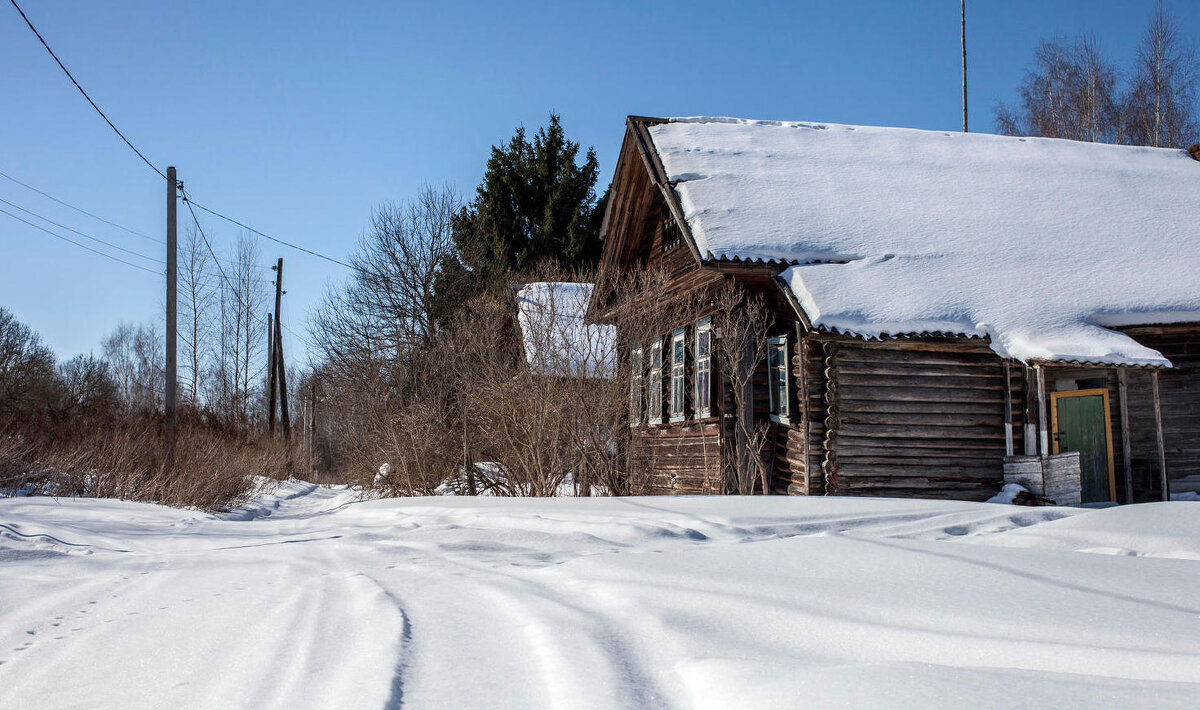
[[554, 336], [1040, 244]]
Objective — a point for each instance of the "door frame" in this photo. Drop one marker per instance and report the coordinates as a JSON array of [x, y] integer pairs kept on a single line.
[[1103, 393]]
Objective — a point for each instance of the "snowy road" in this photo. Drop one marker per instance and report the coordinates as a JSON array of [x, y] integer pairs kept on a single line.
[[311, 599]]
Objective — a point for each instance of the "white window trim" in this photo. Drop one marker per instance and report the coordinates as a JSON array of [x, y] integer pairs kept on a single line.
[[654, 399], [703, 326], [787, 380], [679, 336], [637, 384]]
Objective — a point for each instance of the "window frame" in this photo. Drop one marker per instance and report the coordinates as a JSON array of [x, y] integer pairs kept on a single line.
[[678, 381], [654, 398], [780, 411], [637, 385], [702, 368]]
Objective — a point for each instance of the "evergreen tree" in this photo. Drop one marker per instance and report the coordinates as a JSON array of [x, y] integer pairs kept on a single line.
[[534, 203]]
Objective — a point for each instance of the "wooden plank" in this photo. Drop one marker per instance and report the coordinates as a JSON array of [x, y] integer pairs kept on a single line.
[[904, 393], [886, 382], [918, 419], [1043, 433], [1008, 411], [907, 406], [854, 355], [989, 433], [1158, 435], [805, 409], [1126, 441]]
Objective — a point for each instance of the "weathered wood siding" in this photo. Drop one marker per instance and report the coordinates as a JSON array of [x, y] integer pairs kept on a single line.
[[808, 374], [682, 458], [918, 418], [1179, 389]]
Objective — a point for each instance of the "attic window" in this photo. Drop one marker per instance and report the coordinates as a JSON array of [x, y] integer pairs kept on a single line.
[[671, 236]]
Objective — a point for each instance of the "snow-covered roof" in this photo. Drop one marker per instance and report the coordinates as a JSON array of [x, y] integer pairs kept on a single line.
[[1038, 243], [555, 337]]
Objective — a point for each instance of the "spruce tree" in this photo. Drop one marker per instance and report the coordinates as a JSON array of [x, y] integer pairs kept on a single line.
[[536, 203]]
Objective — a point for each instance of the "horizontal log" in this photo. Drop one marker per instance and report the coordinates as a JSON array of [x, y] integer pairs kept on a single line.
[[865, 443], [848, 379], [985, 433], [847, 392], [995, 408], [845, 344], [900, 419], [918, 357], [886, 369], [859, 482], [857, 459], [956, 473]]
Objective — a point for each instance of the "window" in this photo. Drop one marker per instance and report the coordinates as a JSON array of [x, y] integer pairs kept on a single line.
[[654, 392], [703, 396], [678, 351], [777, 373], [636, 384], [671, 235]]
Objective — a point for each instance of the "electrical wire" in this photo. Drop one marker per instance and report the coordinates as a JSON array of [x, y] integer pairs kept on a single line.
[[267, 236], [82, 246], [85, 94], [85, 236], [80, 210]]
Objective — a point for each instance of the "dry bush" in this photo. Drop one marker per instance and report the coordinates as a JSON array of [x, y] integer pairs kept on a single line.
[[214, 467]]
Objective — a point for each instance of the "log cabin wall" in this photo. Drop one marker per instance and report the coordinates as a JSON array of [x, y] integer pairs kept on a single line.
[[808, 377], [916, 418], [1179, 390]]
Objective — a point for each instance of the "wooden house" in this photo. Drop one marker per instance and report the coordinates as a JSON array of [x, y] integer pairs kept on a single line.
[[944, 304]]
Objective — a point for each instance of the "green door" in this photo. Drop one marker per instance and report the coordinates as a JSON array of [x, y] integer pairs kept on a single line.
[[1081, 424]]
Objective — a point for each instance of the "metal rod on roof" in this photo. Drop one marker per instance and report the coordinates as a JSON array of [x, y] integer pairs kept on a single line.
[[964, 63]]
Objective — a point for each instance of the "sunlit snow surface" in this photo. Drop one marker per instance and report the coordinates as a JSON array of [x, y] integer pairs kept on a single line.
[[309, 598], [1041, 244]]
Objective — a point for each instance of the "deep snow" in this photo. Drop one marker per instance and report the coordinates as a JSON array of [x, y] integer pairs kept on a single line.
[[1041, 244], [310, 598]]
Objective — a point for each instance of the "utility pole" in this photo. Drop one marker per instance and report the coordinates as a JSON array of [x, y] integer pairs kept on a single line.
[[312, 420], [279, 364], [964, 62], [171, 373], [274, 373], [271, 375]]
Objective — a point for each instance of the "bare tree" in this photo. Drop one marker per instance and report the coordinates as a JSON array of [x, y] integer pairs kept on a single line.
[[134, 354], [1069, 93], [387, 306], [197, 287], [27, 376], [237, 360], [1160, 108], [741, 350]]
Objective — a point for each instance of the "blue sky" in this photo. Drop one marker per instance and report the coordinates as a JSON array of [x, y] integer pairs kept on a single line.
[[298, 118]]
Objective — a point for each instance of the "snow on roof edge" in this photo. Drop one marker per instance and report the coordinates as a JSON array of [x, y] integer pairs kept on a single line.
[[742, 186]]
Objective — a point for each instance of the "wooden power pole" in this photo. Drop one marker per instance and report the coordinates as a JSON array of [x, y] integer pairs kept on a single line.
[[271, 373], [963, 4], [172, 365], [278, 363]]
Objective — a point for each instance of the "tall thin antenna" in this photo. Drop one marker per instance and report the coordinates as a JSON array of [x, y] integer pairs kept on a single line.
[[964, 66]]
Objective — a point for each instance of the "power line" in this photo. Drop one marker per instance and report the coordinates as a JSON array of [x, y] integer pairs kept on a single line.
[[213, 254], [82, 246], [85, 94], [268, 236], [85, 236], [80, 210]]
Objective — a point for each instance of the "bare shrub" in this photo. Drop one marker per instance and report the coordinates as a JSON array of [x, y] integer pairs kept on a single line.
[[741, 347]]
